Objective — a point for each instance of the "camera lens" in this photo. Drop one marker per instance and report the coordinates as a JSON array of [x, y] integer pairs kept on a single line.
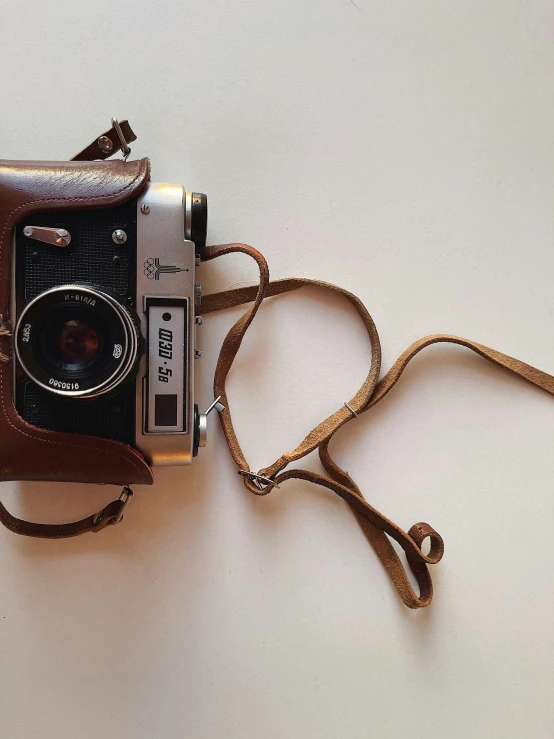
[[77, 343], [76, 340], [73, 342]]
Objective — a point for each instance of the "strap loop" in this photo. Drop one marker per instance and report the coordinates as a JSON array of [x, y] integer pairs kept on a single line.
[[260, 481]]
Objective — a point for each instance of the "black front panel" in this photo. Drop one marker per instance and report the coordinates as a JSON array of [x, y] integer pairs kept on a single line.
[[105, 416], [92, 258]]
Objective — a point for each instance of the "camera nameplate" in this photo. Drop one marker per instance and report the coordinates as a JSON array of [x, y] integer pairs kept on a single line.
[[165, 406]]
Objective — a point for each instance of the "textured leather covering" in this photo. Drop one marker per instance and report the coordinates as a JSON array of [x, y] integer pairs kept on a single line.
[[28, 452]]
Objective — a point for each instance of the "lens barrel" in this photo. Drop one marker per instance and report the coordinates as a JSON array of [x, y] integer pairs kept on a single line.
[[77, 341]]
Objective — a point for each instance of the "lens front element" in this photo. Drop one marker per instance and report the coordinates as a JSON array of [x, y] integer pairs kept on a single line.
[[77, 341], [71, 339]]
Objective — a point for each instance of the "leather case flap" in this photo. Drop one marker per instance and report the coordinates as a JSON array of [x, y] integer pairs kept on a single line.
[[28, 452]]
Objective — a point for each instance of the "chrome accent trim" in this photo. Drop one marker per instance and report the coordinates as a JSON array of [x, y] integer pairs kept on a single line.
[[161, 237]]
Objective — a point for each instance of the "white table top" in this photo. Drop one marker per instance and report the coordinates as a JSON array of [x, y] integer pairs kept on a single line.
[[406, 152]]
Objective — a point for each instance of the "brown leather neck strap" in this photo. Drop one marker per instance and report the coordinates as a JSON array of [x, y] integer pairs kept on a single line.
[[375, 525]]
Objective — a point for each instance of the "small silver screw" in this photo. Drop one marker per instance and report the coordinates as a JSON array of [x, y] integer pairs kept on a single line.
[[62, 237], [105, 144], [119, 236], [198, 353], [28, 231], [198, 320], [145, 209]]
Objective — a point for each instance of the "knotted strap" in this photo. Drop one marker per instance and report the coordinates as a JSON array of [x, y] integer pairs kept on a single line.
[[375, 525]]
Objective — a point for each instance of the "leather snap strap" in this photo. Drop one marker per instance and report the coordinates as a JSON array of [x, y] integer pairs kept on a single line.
[[108, 143], [378, 529], [108, 516]]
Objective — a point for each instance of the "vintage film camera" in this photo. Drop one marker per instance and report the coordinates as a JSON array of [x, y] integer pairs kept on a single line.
[[104, 305]]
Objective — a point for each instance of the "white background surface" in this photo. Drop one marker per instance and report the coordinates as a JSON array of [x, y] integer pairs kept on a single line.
[[405, 151]]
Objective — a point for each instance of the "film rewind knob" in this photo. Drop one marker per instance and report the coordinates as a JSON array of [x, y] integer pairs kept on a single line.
[[203, 420]]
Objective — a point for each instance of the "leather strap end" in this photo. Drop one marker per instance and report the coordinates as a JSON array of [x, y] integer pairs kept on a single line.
[[419, 532], [111, 514], [107, 144]]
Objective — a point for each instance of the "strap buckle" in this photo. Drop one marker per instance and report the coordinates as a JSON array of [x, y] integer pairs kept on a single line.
[[352, 411], [259, 481], [124, 145], [125, 497]]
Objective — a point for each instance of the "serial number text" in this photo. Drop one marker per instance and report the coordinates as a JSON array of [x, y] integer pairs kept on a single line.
[[63, 385]]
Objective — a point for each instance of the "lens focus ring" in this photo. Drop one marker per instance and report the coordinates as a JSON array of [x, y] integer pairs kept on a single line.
[[77, 341]]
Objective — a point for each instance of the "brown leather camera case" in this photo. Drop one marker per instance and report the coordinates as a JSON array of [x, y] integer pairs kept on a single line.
[[28, 452]]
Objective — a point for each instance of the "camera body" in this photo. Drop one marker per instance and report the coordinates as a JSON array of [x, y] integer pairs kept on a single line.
[[104, 304]]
